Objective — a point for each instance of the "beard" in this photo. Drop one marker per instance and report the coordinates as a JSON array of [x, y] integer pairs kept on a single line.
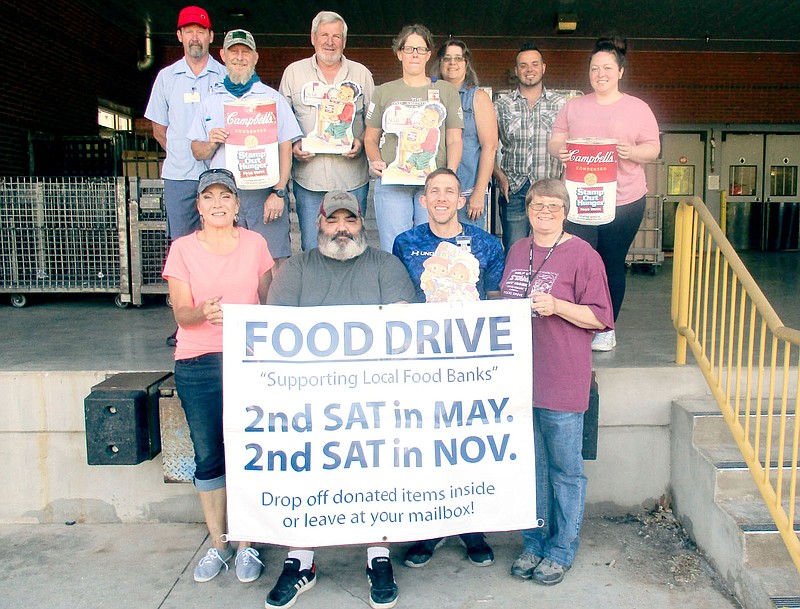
[[239, 77], [331, 247], [196, 50], [329, 57]]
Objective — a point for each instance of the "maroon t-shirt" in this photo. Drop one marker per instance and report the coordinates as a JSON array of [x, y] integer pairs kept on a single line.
[[562, 352]]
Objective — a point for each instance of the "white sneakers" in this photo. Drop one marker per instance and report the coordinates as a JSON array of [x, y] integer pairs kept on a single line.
[[604, 341]]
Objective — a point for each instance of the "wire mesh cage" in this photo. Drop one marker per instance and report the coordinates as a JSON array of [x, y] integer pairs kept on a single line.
[[646, 252], [63, 235], [148, 233]]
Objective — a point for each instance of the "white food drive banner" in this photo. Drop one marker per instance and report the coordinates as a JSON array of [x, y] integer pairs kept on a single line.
[[363, 424]]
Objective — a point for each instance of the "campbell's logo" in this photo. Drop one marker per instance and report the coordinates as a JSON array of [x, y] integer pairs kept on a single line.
[[600, 157], [260, 118]]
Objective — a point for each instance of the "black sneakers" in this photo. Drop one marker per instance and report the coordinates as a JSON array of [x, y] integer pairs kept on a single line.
[[478, 551], [292, 581], [421, 552], [382, 587]]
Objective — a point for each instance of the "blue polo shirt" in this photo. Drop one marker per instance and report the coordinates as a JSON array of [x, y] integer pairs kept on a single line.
[[212, 114], [174, 100]]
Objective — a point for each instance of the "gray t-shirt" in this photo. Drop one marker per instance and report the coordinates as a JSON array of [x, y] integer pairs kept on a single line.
[[311, 279]]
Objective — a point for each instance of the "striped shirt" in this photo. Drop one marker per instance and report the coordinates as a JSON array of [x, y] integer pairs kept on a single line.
[[524, 134]]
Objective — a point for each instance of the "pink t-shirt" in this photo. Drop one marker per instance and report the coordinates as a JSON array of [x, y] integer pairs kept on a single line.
[[233, 276], [627, 120]]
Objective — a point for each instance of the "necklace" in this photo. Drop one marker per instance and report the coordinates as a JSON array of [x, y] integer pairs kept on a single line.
[[531, 273]]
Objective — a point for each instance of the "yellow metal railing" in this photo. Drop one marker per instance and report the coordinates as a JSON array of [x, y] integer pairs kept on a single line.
[[748, 357]]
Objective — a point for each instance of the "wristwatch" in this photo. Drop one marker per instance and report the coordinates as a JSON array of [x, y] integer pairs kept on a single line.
[[281, 192]]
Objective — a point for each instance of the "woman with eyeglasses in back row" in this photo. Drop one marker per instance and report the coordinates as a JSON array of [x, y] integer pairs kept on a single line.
[[479, 138], [413, 128]]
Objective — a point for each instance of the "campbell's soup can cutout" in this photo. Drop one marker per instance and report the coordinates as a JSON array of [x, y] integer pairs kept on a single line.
[[251, 150], [591, 180]]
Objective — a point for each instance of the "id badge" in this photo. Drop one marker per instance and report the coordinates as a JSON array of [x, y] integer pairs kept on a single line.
[[464, 242], [191, 98]]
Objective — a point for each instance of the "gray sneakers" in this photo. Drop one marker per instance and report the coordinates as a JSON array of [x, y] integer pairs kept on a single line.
[[211, 564], [549, 572], [525, 565], [248, 565]]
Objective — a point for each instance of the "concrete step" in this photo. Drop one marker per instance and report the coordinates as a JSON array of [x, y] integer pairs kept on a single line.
[[713, 436], [735, 481], [761, 542], [780, 585], [718, 502]]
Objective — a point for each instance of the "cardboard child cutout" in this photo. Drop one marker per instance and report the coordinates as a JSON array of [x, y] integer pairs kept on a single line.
[[336, 110], [418, 134], [450, 275]]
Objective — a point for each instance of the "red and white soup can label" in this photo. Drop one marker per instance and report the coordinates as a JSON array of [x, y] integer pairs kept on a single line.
[[591, 180]]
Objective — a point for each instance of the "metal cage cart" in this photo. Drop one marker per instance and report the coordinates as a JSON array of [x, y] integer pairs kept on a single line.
[[62, 235], [149, 242], [646, 252]]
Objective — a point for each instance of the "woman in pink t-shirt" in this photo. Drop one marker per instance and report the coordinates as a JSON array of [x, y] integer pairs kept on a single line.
[[610, 113], [219, 264]]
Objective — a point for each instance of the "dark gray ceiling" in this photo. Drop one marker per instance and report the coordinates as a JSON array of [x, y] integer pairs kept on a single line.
[[714, 25]]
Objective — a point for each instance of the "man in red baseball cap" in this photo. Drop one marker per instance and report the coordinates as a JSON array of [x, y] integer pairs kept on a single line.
[[176, 94], [178, 90]]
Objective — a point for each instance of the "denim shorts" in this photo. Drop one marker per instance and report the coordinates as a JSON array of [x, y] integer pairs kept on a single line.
[[199, 384]]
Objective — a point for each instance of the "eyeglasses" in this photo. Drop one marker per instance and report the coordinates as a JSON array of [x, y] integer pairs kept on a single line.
[[551, 207], [453, 59], [410, 50]]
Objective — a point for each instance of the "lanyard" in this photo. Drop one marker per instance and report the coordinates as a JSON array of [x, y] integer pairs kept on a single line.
[[531, 273]]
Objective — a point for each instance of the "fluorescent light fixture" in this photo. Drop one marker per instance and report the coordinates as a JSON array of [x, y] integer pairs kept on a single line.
[[567, 22]]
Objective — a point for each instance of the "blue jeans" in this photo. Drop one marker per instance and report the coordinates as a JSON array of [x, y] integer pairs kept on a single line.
[[514, 216], [180, 201], [480, 222], [308, 202], [397, 208], [251, 216], [199, 384], [560, 485]]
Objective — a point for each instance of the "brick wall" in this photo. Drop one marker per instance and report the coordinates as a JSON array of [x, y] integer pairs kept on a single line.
[[58, 60], [680, 87]]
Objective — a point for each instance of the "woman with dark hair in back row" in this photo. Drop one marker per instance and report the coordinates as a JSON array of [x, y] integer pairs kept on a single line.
[[610, 113], [479, 138]]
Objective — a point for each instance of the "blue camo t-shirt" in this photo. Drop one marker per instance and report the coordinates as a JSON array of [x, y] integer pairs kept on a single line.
[[418, 244]]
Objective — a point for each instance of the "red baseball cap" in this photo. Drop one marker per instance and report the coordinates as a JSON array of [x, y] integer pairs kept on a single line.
[[194, 14]]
